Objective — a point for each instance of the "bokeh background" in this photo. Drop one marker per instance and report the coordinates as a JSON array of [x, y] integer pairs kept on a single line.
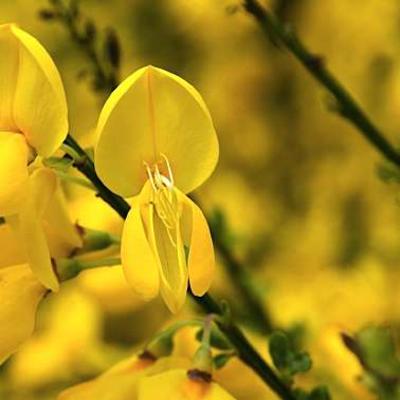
[[306, 204]]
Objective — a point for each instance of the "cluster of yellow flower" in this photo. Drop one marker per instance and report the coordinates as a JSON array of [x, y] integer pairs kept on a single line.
[[156, 142]]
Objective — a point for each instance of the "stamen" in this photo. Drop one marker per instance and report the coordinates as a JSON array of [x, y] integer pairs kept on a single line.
[[164, 199], [150, 175], [171, 177]]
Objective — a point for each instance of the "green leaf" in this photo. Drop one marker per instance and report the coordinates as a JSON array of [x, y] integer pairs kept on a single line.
[[217, 339], [378, 351], [285, 358], [319, 393], [299, 362], [388, 172], [221, 359], [58, 163], [300, 394], [280, 350]]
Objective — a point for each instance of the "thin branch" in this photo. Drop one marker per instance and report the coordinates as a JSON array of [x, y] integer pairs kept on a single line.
[[85, 165], [239, 275], [102, 53], [247, 353], [348, 107], [69, 268]]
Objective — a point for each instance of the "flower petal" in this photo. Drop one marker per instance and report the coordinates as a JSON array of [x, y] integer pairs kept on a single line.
[[13, 172], [9, 56], [154, 112], [10, 253], [29, 226], [138, 261], [171, 262], [201, 260], [122, 380], [40, 107], [20, 294], [174, 384], [62, 234]]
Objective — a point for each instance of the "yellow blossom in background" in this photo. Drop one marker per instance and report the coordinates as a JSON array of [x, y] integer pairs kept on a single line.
[[10, 254], [296, 198], [20, 294], [67, 345], [167, 149], [121, 382], [20, 290], [177, 384], [33, 121]]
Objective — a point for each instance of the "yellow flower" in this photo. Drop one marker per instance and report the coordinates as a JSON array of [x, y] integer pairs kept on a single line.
[[156, 140], [43, 211], [33, 121], [121, 381], [20, 290], [20, 294], [176, 384], [66, 346]]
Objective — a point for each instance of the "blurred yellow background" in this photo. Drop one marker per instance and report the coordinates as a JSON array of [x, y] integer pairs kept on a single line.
[[315, 225]]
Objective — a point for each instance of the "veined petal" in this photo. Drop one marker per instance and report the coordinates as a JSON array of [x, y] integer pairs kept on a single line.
[[29, 226], [61, 232], [42, 185], [40, 107], [154, 112], [201, 260], [170, 255], [13, 172], [20, 294], [138, 261], [9, 56]]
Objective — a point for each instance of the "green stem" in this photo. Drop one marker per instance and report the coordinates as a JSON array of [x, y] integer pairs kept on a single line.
[[94, 240], [85, 165], [69, 18], [247, 353], [70, 151], [314, 64], [239, 275], [74, 179], [68, 268]]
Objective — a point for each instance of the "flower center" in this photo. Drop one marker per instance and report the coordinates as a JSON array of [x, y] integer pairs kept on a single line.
[[164, 195]]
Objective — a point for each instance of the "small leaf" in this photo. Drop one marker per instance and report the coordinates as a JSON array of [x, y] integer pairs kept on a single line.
[[285, 358], [217, 339], [388, 172], [279, 348], [299, 362], [300, 394], [319, 393], [221, 360], [379, 350], [57, 163]]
